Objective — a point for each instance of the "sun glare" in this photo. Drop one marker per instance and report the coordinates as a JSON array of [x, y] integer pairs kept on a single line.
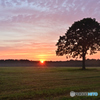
[[41, 61]]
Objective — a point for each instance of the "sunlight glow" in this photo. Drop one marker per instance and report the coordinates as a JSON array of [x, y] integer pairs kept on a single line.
[[42, 61]]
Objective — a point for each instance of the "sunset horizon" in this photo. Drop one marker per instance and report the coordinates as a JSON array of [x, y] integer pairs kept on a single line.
[[30, 29], [49, 49]]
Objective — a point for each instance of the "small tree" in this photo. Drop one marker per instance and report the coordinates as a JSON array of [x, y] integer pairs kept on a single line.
[[81, 37]]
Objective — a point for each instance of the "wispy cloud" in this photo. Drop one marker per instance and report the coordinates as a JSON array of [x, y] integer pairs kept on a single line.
[[37, 24]]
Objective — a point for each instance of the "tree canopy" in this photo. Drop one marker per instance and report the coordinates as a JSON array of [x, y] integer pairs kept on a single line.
[[82, 36]]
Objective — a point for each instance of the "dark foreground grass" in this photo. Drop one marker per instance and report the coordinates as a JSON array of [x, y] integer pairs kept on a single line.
[[30, 83]]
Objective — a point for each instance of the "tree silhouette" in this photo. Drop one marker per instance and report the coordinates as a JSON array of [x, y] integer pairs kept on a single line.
[[81, 37]]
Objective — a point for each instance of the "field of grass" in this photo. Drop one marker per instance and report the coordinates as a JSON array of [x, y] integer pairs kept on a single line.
[[55, 83]]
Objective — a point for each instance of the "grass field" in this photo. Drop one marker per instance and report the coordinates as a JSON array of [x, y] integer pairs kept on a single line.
[[55, 83]]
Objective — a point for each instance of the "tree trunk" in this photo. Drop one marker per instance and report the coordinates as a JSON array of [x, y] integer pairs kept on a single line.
[[83, 63]]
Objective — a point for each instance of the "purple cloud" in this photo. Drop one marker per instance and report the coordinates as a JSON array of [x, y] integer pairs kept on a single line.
[[25, 22]]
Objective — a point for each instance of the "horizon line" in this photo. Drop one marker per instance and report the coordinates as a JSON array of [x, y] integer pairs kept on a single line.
[[47, 60]]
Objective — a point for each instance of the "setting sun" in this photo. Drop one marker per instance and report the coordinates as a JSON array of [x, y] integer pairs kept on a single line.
[[42, 61]]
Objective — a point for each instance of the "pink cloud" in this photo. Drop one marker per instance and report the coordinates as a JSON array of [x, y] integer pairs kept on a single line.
[[32, 27]]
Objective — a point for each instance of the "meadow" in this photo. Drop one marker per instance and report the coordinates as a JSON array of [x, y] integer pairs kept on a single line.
[[48, 83]]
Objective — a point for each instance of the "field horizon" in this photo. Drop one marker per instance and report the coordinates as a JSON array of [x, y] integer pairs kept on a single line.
[[27, 63]]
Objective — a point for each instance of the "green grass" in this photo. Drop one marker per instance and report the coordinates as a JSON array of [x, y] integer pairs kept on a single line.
[[30, 83]]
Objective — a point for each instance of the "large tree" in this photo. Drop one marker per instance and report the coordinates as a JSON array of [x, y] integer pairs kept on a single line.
[[81, 38]]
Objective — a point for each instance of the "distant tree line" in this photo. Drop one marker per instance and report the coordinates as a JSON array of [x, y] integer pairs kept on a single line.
[[28, 63]]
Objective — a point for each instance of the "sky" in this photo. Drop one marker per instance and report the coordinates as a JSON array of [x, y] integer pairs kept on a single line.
[[30, 29]]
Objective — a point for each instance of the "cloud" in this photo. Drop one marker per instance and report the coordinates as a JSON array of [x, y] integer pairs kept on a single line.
[[27, 11], [37, 24]]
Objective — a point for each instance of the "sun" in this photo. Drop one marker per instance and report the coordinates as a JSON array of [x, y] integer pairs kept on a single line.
[[42, 61]]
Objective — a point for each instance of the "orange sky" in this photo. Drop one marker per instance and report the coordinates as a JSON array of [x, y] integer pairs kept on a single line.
[[30, 29]]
